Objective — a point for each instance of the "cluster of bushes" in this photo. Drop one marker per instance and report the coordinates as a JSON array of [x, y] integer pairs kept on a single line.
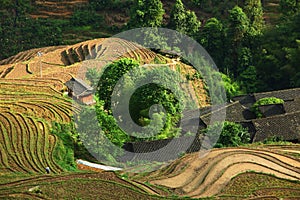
[[63, 153], [227, 134]]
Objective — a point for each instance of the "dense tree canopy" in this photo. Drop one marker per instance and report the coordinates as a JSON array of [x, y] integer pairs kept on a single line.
[[232, 134], [19, 32], [212, 39], [236, 33], [254, 11], [182, 20], [148, 13], [110, 77], [289, 7], [276, 65]]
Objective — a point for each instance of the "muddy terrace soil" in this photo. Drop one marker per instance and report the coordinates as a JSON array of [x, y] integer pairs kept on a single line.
[[105, 185], [207, 176], [260, 172]]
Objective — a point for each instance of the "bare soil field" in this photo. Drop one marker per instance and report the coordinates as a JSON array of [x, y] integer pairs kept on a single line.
[[105, 185], [207, 176], [232, 173]]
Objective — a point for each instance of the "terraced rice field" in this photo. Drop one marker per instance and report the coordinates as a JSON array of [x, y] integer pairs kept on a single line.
[[232, 173], [56, 8], [27, 108], [63, 62], [104, 185], [207, 176], [59, 64]]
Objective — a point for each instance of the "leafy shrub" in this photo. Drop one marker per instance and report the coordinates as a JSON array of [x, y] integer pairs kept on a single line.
[[232, 134], [93, 75], [264, 101], [232, 88], [100, 133], [63, 152], [273, 139]]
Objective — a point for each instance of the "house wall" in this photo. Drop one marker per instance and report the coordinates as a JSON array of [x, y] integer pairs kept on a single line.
[[87, 99]]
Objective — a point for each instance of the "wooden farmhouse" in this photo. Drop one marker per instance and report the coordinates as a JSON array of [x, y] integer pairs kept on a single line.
[[80, 91]]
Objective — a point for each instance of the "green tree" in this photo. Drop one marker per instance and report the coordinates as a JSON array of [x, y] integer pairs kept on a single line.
[[244, 59], [111, 76], [277, 65], [110, 127], [248, 80], [232, 88], [292, 66], [237, 31], [93, 75], [192, 23], [63, 152], [289, 7], [169, 95], [238, 25], [85, 16], [232, 134], [183, 21], [148, 13], [155, 93], [212, 39], [178, 17], [99, 133], [171, 98], [254, 11]]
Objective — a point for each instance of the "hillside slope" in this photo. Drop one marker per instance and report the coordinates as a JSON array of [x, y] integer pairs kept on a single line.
[[27, 109], [204, 175], [65, 62], [56, 8], [64, 9], [31, 98]]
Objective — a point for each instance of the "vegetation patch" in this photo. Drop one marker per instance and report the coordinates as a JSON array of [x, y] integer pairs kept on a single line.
[[232, 134], [63, 153], [251, 183], [264, 101]]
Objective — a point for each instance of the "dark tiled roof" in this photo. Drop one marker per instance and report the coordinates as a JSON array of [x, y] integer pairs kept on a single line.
[[235, 112], [271, 110], [288, 94], [292, 106], [246, 100], [169, 149], [286, 126], [79, 87]]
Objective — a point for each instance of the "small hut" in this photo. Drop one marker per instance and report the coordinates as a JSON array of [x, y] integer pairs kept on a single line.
[[80, 91]]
